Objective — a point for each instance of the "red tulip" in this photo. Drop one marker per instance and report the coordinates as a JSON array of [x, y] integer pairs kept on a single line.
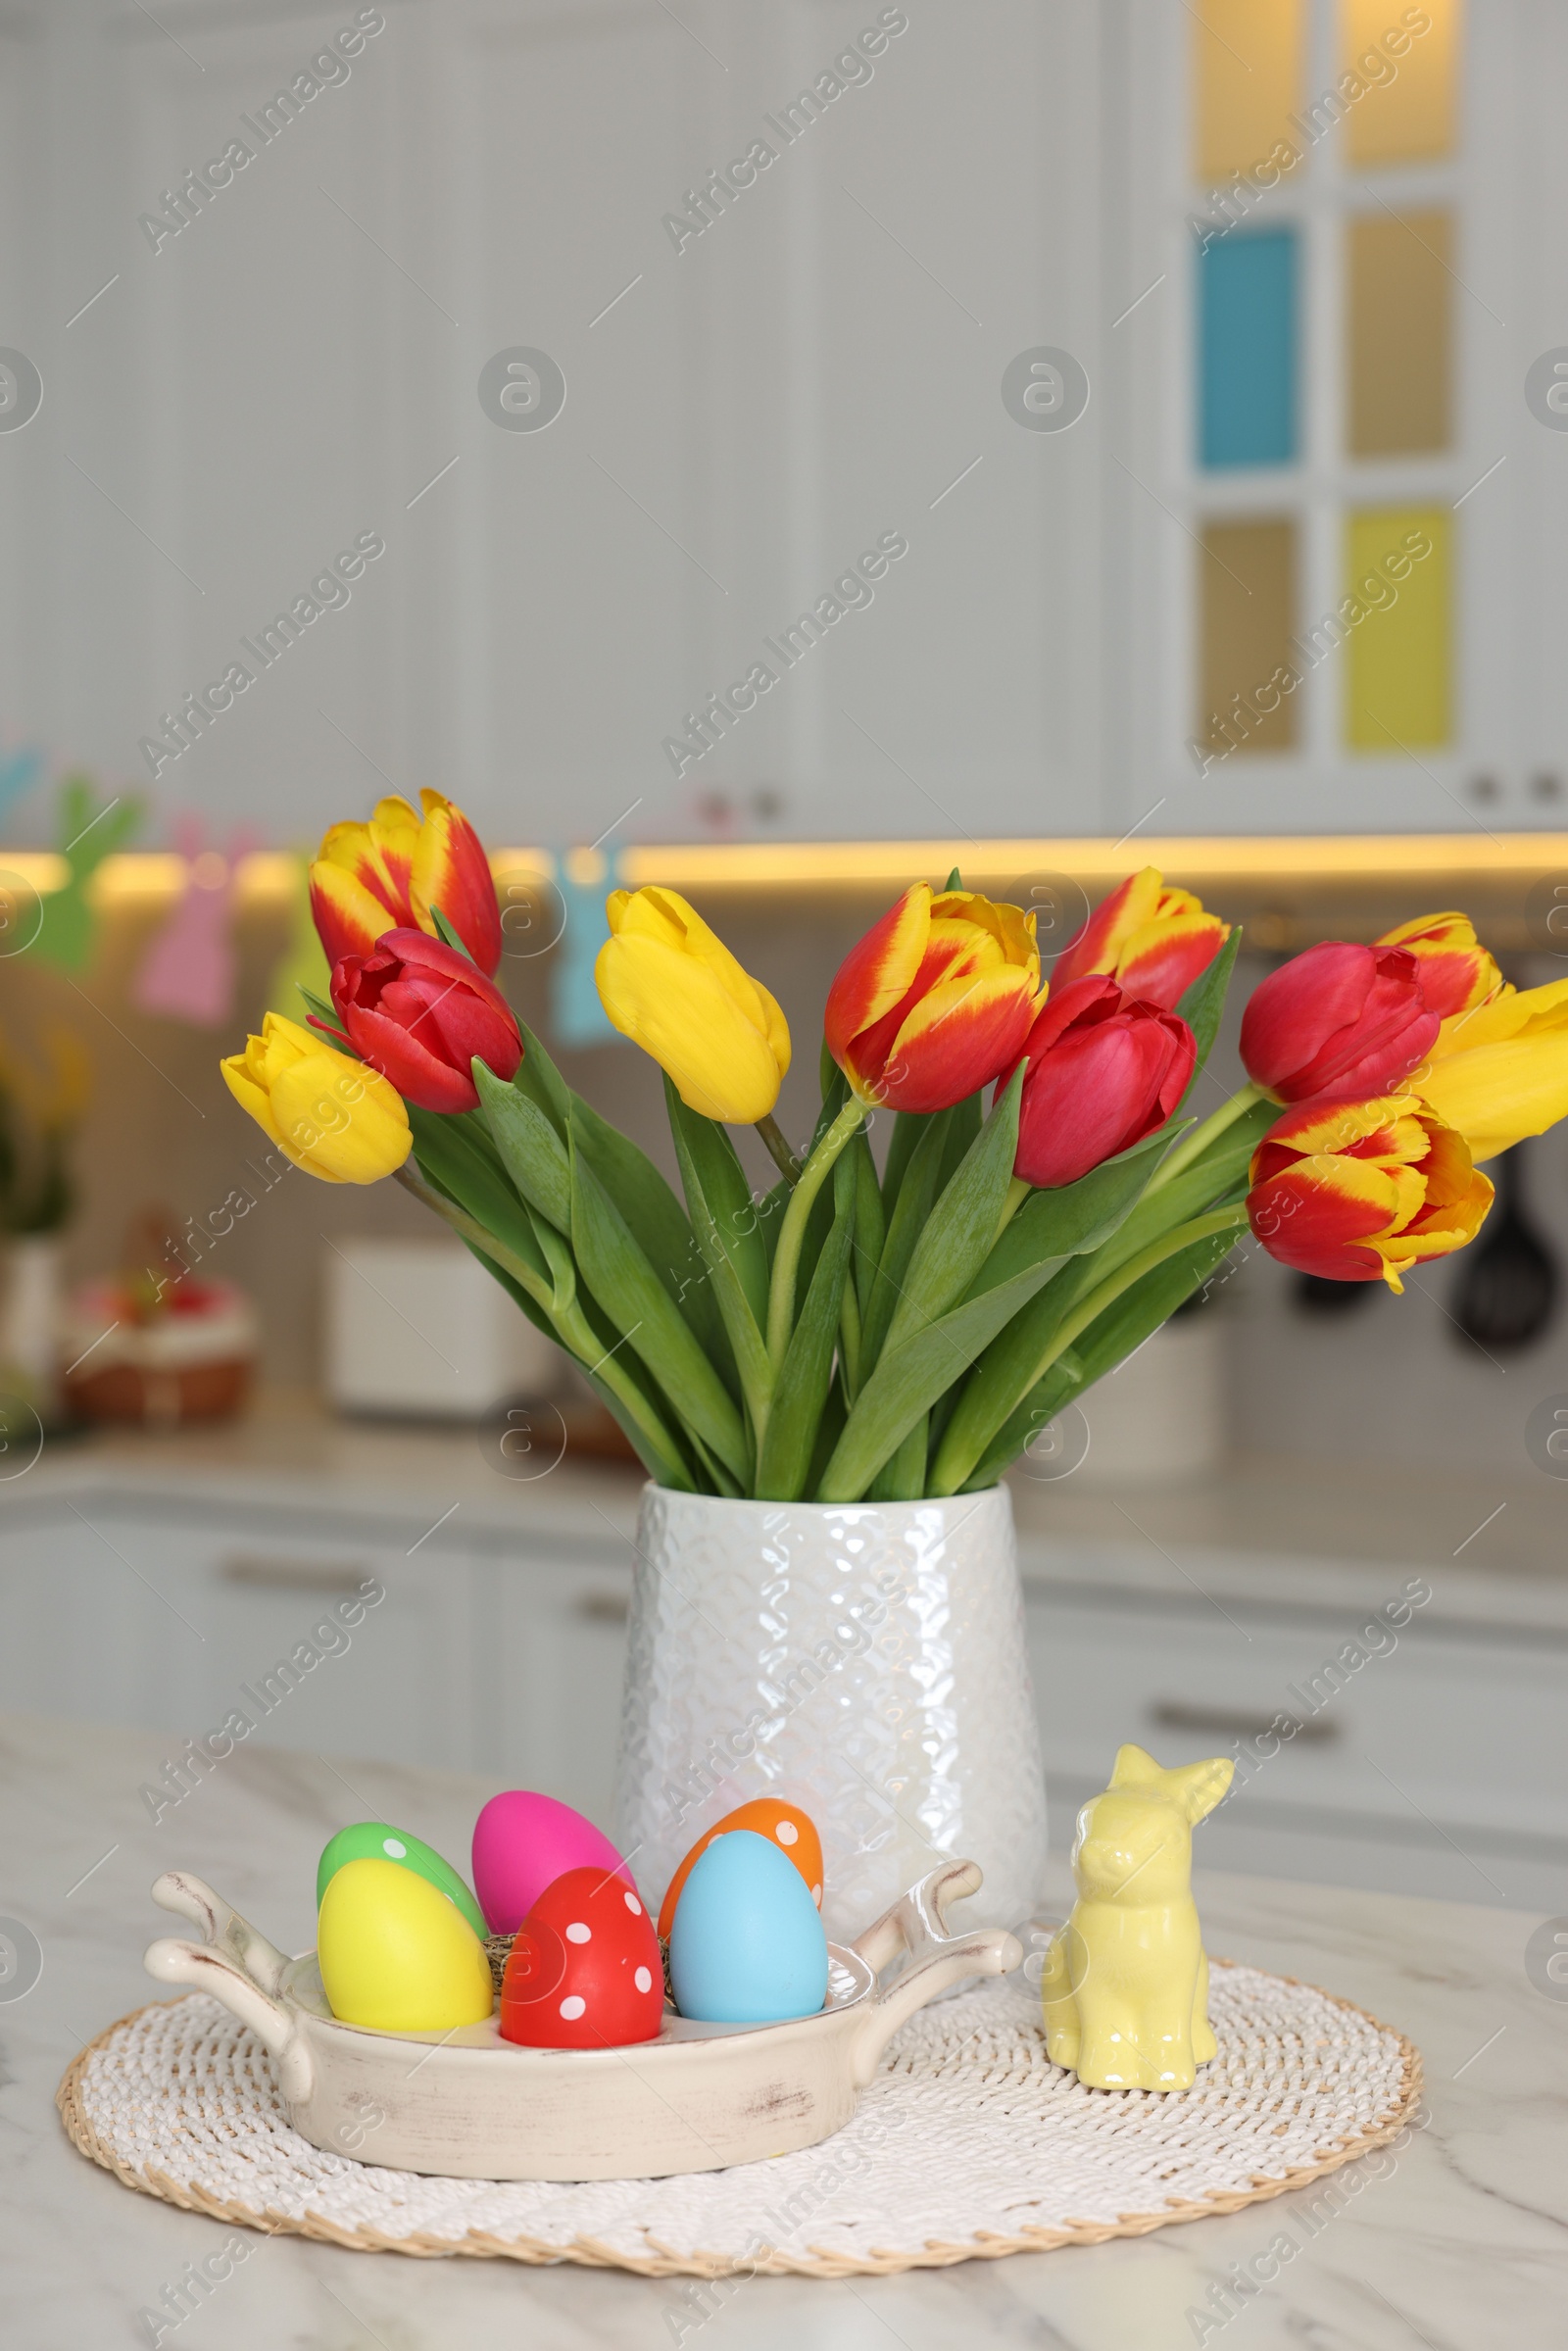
[[1104, 1071], [1337, 1019], [419, 1012], [370, 878], [935, 999], [1360, 1190], [1152, 939]]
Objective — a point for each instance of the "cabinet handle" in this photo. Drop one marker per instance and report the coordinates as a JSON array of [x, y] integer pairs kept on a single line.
[[1170, 1714], [293, 1575], [603, 1607]]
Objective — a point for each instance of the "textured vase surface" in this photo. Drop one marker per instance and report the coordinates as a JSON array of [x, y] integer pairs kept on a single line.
[[864, 1660]]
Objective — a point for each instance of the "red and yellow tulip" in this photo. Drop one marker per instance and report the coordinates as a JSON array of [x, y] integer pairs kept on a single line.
[[1153, 940], [1455, 972], [1337, 1019], [388, 874], [934, 1001], [1362, 1190], [1104, 1070]]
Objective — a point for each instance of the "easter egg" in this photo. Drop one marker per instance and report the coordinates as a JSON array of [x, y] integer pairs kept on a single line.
[[396, 1955], [379, 1840], [747, 1946], [521, 1844], [790, 1829], [584, 1971]]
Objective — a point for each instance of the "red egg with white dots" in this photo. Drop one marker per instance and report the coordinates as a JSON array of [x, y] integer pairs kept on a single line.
[[585, 1970], [793, 1831]]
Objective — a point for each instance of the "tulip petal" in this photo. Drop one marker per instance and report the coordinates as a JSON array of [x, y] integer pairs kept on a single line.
[[955, 1039], [878, 973], [678, 1010], [1455, 970], [1313, 1214], [668, 917], [449, 870], [1498, 1094], [392, 1048], [1129, 907], [340, 1120], [1161, 961], [251, 1097], [349, 917]]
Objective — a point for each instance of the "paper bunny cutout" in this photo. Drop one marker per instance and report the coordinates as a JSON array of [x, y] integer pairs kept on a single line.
[[189, 969], [1125, 1984]]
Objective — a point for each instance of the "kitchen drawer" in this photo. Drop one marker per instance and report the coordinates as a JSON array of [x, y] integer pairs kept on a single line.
[[175, 1623], [1464, 1727]]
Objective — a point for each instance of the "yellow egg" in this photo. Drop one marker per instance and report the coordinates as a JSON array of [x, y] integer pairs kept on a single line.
[[394, 1954]]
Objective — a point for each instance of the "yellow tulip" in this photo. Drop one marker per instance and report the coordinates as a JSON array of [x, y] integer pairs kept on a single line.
[[1499, 1072], [673, 986], [334, 1118]]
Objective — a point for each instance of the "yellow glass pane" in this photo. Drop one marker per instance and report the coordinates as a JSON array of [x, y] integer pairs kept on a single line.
[[1399, 288], [1399, 73], [1246, 597], [1396, 616], [1247, 74]]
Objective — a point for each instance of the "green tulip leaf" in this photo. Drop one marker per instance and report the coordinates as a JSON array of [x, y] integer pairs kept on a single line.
[[542, 1082], [531, 1151], [909, 1379], [1203, 1005], [726, 1220], [912, 1202], [628, 1289], [958, 1235]]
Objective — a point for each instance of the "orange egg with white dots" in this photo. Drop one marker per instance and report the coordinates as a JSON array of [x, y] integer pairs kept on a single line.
[[793, 1831]]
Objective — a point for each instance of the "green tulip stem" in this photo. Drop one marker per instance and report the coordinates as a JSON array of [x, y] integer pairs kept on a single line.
[[1199, 1141], [784, 1158], [792, 1233], [954, 1466], [1018, 1191], [572, 1324], [850, 1338]]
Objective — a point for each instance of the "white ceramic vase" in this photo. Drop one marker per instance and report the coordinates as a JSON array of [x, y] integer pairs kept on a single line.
[[29, 1322], [862, 1660]]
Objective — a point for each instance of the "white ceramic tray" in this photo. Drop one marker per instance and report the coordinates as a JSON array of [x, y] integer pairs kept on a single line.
[[474, 2106]]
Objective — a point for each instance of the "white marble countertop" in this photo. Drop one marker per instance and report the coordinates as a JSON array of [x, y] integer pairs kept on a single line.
[[1461, 2245]]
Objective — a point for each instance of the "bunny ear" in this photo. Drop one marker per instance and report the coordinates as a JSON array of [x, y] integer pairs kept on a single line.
[[1135, 1767], [1198, 1787]]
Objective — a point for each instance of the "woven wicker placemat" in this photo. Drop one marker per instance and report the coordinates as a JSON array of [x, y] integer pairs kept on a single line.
[[968, 2143]]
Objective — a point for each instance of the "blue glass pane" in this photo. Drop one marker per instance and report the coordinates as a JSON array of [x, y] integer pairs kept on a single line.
[[1247, 349]]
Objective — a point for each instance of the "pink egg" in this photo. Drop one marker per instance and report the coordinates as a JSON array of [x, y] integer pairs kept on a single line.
[[523, 1842]]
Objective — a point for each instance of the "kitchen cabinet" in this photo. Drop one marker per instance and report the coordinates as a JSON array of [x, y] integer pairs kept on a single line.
[[1475, 219], [1435, 1766]]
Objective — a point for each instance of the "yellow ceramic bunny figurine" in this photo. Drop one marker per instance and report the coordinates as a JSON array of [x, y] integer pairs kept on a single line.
[[1125, 1982]]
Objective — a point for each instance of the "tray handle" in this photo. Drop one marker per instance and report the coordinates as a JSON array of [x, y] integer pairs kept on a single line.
[[917, 1924], [192, 1898], [236, 1965]]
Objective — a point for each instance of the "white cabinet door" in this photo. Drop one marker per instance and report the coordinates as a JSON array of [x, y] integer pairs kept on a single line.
[[86, 1628], [1451, 1746], [129, 1613], [553, 1647]]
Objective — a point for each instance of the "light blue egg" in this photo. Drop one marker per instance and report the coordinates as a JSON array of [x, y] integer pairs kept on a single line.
[[745, 1944]]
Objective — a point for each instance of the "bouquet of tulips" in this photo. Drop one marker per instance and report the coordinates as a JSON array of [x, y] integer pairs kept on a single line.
[[884, 1331]]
